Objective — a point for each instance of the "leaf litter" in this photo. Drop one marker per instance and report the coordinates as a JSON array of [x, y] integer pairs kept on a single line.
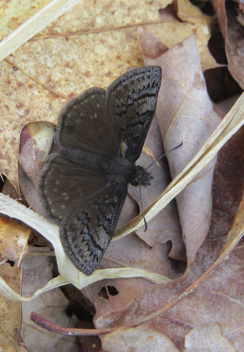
[[205, 304]]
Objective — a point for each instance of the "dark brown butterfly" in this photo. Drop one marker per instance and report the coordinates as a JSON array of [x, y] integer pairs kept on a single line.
[[100, 136]]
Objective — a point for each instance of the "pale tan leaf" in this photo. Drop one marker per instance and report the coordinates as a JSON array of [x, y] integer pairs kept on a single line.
[[137, 340], [10, 321], [209, 337]]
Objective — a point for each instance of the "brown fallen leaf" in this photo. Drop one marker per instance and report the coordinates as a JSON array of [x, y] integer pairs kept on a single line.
[[202, 27], [185, 113], [35, 144], [37, 270], [36, 140], [233, 33], [13, 240], [228, 185], [132, 252]]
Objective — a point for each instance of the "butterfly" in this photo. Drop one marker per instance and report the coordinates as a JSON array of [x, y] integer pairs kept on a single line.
[[100, 136]]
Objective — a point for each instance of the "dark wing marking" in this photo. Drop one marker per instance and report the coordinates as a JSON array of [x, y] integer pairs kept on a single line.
[[64, 183], [84, 124], [131, 103], [86, 232]]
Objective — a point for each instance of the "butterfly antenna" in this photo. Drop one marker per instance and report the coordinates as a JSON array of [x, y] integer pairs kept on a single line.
[[162, 156], [142, 212]]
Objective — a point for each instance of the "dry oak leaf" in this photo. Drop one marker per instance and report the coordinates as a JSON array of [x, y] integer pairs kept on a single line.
[[13, 239], [185, 113]]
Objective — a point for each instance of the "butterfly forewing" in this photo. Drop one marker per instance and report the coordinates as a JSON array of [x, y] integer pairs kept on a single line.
[[132, 100], [86, 231], [84, 124]]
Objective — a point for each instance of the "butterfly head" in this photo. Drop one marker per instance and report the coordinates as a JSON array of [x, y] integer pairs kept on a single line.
[[141, 177]]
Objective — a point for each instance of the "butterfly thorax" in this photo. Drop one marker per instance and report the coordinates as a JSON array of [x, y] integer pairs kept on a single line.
[[123, 170], [116, 169], [141, 177]]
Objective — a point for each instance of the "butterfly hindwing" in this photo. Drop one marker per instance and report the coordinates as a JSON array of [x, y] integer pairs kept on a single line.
[[64, 183], [131, 103], [86, 231]]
